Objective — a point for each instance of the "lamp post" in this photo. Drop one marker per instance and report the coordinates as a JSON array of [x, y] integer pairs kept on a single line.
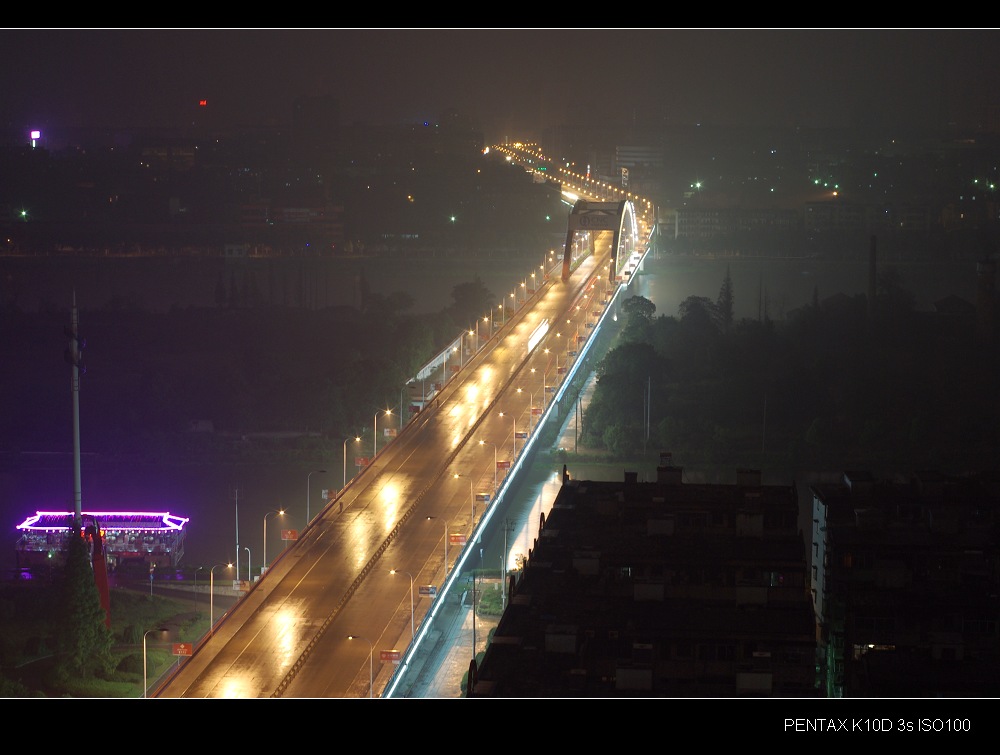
[[397, 571], [484, 443], [472, 498], [545, 399], [196, 577], [371, 652], [308, 491], [531, 405], [247, 549], [514, 456], [356, 439], [446, 528], [211, 597], [491, 323], [162, 631], [375, 431], [280, 512]]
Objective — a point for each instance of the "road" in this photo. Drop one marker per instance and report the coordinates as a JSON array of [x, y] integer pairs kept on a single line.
[[289, 636]]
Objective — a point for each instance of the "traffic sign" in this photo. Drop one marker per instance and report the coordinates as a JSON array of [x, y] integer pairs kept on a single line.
[[183, 648], [390, 655], [289, 534], [456, 538], [483, 497], [428, 591]]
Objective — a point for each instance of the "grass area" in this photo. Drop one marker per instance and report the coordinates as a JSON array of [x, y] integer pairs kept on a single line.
[[27, 643]]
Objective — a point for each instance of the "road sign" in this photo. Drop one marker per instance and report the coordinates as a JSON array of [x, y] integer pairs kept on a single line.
[[427, 591], [361, 461], [183, 648], [456, 538], [503, 465], [289, 534], [536, 411], [483, 497], [520, 435], [390, 655]]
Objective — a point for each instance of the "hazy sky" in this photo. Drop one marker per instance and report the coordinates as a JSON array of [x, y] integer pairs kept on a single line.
[[513, 82]]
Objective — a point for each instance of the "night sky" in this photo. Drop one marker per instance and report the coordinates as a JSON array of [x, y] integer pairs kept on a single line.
[[511, 82]]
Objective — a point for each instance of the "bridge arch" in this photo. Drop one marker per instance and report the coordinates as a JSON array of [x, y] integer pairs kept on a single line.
[[591, 217]]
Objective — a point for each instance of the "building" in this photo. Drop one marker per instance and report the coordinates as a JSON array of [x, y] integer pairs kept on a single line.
[[906, 585], [660, 589], [129, 537]]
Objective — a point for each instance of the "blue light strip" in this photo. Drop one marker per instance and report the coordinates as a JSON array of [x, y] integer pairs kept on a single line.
[[428, 621]]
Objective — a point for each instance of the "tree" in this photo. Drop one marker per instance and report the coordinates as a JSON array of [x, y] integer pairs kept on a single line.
[[638, 312], [639, 307], [697, 311], [724, 305], [469, 301], [82, 635]]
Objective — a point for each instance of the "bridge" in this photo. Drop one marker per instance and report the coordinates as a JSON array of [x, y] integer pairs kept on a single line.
[[352, 608]]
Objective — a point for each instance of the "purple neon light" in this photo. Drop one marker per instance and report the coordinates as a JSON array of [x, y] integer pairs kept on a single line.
[[53, 521]]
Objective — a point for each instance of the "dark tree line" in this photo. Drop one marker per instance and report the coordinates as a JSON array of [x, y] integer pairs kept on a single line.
[[836, 384], [246, 370]]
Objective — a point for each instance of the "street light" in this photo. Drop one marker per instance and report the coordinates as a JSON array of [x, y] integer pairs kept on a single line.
[[371, 652], [211, 597], [247, 549], [531, 405], [446, 528], [356, 439], [545, 399], [308, 490], [397, 571], [375, 430], [515, 434], [484, 443], [196, 577], [162, 631], [472, 497], [280, 512]]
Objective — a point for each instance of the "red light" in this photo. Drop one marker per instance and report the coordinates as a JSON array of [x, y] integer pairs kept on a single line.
[[202, 103]]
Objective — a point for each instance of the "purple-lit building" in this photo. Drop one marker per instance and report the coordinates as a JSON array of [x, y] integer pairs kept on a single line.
[[138, 537]]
